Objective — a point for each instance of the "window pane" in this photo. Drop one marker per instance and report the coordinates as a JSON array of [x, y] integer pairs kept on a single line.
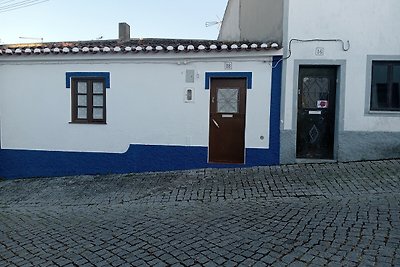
[[382, 95], [97, 87], [82, 100], [380, 73], [396, 74], [314, 90], [396, 96], [396, 87], [82, 113], [228, 100], [380, 87], [98, 100], [97, 113], [82, 88]]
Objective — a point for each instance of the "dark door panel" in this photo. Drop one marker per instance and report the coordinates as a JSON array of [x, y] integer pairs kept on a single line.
[[227, 120], [316, 112]]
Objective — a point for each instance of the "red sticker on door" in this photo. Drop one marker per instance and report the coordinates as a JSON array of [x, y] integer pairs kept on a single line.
[[322, 104]]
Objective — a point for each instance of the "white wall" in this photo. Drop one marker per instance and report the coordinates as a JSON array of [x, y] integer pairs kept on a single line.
[[256, 26], [230, 30], [247, 20], [371, 27], [145, 104]]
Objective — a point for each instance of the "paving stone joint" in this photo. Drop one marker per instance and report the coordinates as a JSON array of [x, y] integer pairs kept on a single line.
[[330, 214]]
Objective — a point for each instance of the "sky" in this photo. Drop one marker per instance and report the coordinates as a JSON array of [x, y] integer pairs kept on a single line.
[[79, 20]]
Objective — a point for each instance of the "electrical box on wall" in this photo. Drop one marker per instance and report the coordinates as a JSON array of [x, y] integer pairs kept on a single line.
[[189, 76], [189, 95]]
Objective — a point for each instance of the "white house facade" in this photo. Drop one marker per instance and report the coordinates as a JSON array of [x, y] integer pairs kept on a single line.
[[138, 105], [341, 75], [287, 81]]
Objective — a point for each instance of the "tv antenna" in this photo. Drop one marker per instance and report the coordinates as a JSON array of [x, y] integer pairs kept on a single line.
[[213, 23], [32, 38]]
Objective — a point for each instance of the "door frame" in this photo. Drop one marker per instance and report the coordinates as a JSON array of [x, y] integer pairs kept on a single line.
[[240, 116], [340, 98], [248, 76]]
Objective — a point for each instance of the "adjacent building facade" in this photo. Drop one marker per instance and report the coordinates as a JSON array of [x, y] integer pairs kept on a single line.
[[341, 74]]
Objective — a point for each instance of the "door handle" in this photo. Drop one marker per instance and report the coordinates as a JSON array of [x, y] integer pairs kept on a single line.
[[216, 124]]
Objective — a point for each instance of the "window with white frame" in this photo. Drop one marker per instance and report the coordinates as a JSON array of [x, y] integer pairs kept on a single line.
[[385, 86]]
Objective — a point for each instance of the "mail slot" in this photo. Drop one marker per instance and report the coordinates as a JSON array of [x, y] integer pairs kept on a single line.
[[227, 115]]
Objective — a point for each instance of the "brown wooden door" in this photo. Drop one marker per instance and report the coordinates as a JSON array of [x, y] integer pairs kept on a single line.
[[316, 112], [227, 120]]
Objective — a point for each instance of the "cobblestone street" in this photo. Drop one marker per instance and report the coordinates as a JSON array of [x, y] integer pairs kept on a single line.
[[331, 214]]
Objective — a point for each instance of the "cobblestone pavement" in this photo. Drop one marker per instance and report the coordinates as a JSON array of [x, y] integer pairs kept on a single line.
[[333, 214]]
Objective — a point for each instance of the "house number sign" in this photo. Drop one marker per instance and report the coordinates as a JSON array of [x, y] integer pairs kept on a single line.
[[228, 66], [320, 51]]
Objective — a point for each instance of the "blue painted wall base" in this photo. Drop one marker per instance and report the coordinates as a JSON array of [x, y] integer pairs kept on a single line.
[[139, 158]]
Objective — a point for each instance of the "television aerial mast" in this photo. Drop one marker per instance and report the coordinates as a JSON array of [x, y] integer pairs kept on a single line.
[[32, 38], [213, 23]]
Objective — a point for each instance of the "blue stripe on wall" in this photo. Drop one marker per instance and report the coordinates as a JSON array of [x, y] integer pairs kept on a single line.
[[69, 75], [275, 113], [247, 75], [139, 158]]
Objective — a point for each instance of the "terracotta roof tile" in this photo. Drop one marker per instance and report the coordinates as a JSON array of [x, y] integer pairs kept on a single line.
[[148, 45]]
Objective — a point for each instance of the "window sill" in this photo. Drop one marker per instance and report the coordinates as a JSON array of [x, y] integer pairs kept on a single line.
[[88, 123], [383, 113]]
